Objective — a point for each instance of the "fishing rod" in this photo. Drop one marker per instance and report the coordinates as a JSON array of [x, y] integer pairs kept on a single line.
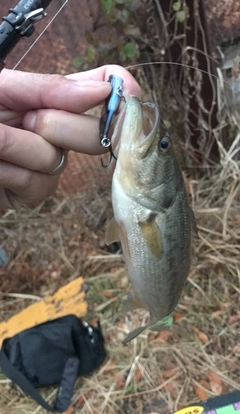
[[19, 23]]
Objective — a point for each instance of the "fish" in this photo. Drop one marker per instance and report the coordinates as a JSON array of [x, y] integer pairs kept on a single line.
[[152, 218]]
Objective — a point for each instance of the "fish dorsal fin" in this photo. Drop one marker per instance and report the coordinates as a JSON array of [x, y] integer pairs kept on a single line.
[[152, 236], [193, 222], [116, 232], [112, 232]]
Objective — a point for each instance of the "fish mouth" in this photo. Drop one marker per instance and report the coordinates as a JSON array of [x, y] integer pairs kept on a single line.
[[139, 126], [150, 121], [136, 127]]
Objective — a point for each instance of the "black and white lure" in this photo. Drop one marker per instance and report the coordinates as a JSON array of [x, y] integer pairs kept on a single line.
[[109, 110]]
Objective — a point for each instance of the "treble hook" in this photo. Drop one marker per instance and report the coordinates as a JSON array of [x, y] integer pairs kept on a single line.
[[112, 155]]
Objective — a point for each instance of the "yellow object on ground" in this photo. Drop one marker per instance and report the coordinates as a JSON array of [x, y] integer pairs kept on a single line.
[[191, 410], [68, 300]]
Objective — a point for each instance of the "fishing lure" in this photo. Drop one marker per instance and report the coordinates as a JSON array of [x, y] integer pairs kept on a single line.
[[20, 23], [110, 108]]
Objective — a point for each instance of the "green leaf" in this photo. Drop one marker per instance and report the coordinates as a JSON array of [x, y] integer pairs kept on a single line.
[[181, 16], [129, 388], [176, 6], [186, 10], [129, 50], [88, 37], [77, 62], [107, 6], [91, 52]]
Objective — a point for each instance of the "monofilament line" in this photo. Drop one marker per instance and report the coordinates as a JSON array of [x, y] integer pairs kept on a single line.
[[171, 63]]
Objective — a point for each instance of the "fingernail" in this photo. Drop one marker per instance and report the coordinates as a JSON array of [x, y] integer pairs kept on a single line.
[[30, 120]]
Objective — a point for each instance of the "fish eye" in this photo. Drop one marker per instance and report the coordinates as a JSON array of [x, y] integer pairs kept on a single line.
[[165, 144]]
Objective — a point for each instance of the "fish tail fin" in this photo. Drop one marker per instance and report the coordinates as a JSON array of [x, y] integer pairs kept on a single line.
[[161, 325], [132, 302], [134, 333]]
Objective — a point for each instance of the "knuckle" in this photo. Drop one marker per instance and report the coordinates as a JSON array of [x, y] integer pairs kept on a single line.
[[51, 84], [54, 79], [25, 179], [46, 123]]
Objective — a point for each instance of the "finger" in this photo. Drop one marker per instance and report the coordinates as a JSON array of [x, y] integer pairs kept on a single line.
[[69, 131], [27, 150], [22, 91], [21, 186], [130, 85], [11, 118]]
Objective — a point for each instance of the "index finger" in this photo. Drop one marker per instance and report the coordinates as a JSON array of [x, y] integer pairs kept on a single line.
[[23, 91], [130, 85]]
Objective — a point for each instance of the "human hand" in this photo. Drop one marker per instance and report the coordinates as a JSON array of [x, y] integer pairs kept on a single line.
[[39, 114]]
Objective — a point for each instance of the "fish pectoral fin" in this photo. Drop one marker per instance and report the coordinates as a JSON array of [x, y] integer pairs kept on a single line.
[[116, 232], [132, 302], [112, 232], [193, 222], [152, 236]]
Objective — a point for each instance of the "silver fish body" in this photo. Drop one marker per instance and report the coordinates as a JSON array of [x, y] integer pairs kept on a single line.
[[152, 218]]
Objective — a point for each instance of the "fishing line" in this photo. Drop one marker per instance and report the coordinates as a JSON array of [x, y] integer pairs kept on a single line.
[[130, 66], [176, 64], [44, 30]]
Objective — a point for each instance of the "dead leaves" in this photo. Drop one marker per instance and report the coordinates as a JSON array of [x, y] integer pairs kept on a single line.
[[201, 335], [69, 410], [215, 382], [200, 390], [171, 385], [233, 318], [108, 293], [163, 336], [177, 316], [138, 375], [217, 313], [169, 373], [120, 381], [82, 399], [212, 383], [236, 350]]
